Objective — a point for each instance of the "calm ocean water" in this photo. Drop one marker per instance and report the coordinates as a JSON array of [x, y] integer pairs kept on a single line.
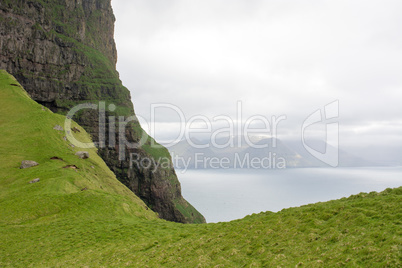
[[225, 195]]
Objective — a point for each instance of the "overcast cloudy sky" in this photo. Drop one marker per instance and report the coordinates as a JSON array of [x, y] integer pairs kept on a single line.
[[276, 57]]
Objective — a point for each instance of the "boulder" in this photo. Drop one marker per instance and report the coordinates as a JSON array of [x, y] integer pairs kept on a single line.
[[35, 180], [82, 154], [28, 164], [59, 128], [71, 166]]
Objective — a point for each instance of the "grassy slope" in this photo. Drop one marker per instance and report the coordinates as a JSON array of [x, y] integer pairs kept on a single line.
[[99, 81], [54, 223]]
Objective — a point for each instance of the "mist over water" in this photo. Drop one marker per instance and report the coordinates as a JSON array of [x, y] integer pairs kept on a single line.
[[225, 195]]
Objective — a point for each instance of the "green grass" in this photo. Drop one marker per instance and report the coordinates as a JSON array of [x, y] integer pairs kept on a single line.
[[26, 133], [100, 77], [53, 223], [92, 56]]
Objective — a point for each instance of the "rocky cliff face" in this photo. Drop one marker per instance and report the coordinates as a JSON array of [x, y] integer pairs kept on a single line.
[[63, 53]]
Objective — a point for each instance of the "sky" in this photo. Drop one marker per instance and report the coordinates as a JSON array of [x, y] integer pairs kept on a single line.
[[271, 58]]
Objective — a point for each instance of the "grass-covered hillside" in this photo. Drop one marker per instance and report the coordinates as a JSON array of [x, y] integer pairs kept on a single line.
[[84, 217], [64, 54]]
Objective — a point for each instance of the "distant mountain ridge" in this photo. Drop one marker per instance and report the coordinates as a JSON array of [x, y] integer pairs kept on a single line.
[[266, 153]]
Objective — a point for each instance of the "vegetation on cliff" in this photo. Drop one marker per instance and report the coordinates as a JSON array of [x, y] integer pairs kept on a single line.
[[64, 54], [84, 216]]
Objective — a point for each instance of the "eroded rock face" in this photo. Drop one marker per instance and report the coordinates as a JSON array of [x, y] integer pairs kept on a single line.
[[63, 53], [43, 46]]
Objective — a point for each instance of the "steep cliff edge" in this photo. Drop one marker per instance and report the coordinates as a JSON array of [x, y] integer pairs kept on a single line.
[[63, 53]]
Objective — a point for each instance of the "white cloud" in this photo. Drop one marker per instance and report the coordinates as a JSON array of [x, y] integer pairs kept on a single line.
[[277, 57]]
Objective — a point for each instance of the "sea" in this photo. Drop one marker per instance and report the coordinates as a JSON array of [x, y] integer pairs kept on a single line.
[[223, 195]]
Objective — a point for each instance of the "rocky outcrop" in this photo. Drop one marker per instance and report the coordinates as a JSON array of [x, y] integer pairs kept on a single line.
[[63, 53]]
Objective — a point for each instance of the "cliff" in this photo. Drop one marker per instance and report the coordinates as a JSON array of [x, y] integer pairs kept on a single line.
[[63, 53]]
